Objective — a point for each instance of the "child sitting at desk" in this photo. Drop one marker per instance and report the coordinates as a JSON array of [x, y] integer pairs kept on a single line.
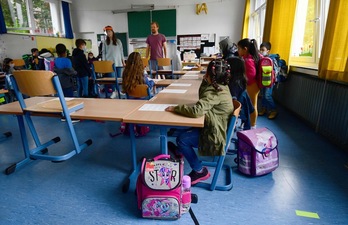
[[135, 74], [215, 103]]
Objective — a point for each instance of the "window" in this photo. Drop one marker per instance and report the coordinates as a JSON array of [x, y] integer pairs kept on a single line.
[[257, 19], [308, 34], [32, 16]]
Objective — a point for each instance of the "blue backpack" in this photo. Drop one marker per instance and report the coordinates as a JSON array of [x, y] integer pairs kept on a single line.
[[280, 68]]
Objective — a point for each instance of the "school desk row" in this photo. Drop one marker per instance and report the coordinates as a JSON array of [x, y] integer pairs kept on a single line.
[[181, 91]]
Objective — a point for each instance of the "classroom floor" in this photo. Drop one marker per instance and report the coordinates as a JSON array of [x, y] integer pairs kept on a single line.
[[87, 189]]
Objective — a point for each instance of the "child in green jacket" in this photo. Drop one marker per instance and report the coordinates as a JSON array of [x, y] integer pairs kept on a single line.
[[215, 103]]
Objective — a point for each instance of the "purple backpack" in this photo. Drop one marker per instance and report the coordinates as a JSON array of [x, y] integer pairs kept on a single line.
[[257, 152]]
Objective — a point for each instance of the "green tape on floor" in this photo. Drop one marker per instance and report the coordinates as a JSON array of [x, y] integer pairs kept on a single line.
[[307, 214]]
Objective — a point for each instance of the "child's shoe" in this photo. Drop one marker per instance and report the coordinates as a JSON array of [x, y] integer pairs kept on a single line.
[[262, 111], [199, 176], [272, 115], [114, 94]]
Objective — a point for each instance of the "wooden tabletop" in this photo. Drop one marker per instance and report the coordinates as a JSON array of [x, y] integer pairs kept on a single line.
[[190, 97], [94, 108]]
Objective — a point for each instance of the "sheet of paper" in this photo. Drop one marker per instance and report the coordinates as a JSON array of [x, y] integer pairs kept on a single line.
[[180, 85], [192, 77], [176, 91], [155, 107]]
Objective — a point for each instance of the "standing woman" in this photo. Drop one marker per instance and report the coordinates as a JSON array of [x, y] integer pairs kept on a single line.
[[248, 50], [113, 50]]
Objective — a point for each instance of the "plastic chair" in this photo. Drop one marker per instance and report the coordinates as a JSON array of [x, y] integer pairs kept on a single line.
[[219, 164], [43, 83], [164, 62], [19, 63], [141, 91], [104, 67]]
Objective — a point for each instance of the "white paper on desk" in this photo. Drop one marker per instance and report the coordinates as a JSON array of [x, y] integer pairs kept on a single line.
[[176, 91], [180, 85], [189, 77], [155, 107]]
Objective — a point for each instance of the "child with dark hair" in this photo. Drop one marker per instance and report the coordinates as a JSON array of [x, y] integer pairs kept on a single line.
[[34, 59], [8, 67], [215, 103], [64, 70], [267, 103], [82, 67], [238, 85], [248, 50]]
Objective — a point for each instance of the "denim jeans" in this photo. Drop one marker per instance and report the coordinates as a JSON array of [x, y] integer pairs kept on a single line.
[[267, 99], [82, 86], [186, 141]]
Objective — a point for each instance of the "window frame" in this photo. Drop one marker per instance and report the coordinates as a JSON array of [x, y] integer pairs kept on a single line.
[[257, 19], [320, 18], [56, 14]]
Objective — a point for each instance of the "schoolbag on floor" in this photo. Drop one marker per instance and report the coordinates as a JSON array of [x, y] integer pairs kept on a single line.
[[257, 151], [139, 131], [159, 188], [265, 73]]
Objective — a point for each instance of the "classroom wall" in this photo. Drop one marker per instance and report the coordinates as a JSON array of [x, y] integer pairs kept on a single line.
[[224, 17], [15, 45]]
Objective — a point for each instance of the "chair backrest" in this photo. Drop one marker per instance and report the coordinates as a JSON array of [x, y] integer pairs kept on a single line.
[[140, 91], [232, 123], [103, 66], [145, 62], [35, 82], [164, 62], [19, 62]]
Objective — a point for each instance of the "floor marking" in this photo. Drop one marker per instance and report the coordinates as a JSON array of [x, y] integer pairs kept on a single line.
[[307, 214]]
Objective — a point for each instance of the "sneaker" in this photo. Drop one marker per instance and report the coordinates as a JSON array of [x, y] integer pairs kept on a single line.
[[253, 127], [263, 111], [174, 150], [114, 94], [197, 177], [272, 115]]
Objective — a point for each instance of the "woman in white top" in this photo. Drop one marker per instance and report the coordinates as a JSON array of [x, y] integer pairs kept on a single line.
[[113, 50]]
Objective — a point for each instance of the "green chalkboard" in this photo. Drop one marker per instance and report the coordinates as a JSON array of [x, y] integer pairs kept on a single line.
[[166, 20], [139, 22], [123, 39]]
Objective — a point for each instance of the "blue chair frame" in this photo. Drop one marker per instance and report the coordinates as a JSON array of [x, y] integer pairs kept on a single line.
[[104, 67], [24, 83], [219, 163]]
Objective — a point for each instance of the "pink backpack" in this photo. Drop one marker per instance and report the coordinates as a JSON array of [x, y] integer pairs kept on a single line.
[[159, 188]]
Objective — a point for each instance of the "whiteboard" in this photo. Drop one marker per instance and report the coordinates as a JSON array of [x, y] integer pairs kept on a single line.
[[15, 45]]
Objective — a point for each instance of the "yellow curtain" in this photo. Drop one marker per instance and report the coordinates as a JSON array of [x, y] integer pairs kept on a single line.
[[279, 22], [245, 28], [333, 63]]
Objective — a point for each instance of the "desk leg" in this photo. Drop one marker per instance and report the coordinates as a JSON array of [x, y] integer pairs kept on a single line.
[[130, 183], [163, 139]]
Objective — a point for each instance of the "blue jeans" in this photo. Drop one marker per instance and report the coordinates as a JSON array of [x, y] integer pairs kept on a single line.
[[186, 141], [267, 99], [82, 86]]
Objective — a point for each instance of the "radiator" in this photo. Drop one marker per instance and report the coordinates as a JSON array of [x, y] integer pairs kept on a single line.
[[323, 105]]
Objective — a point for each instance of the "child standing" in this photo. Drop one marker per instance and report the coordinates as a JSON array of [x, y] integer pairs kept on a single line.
[[64, 70], [267, 103], [215, 104], [248, 50], [134, 73], [238, 85], [82, 67]]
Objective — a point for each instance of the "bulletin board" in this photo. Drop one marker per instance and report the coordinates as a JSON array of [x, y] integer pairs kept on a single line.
[[51, 42], [14, 45]]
